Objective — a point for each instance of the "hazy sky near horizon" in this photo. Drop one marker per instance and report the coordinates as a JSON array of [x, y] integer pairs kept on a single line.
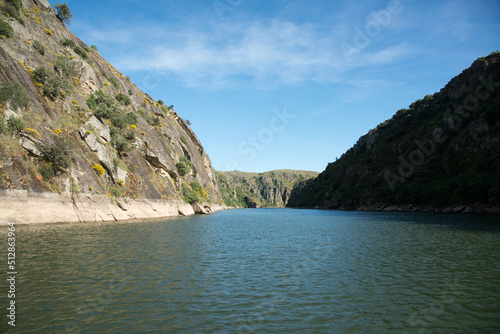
[[287, 84]]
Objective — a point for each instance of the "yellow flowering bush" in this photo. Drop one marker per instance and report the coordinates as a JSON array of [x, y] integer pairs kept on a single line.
[[33, 132], [99, 169]]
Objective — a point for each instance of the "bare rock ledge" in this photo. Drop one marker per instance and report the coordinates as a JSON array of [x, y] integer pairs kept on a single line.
[[25, 207]]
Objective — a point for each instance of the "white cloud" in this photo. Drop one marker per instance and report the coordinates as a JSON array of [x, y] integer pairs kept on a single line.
[[222, 54]]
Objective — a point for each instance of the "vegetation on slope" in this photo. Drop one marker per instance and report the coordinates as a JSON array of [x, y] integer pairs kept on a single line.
[[72, 123], [443, 150], [251, 190]]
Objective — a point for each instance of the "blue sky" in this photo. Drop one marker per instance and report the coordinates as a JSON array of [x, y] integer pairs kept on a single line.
[[287, 84]]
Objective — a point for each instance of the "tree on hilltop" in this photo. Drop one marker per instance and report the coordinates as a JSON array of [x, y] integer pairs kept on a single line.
[[63, 13]]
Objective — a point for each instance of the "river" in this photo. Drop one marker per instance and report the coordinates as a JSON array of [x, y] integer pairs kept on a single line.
[[260, 271]]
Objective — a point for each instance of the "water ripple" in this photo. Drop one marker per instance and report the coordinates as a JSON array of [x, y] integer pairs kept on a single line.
[[251, 271]]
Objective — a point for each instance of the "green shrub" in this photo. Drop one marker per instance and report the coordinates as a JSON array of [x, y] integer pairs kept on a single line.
[[184, 166], [130, 92], [122, 145], [17, 4], [195, 186], [46, 171], [115, 191], [63, 13], [91, 102], [142, 113], [2, 125], [184, 140], [15, 124], [130, 118], [10, 11], [160, 102], [114, 82], [6, 30], [69, 42], [151, 120], [87, 49], [124, 99], [94, 47], [130, 135], [103, 105], [81, 52], [190, 196], [57, 153], [41, 74], [13, 93], [66, 66], [39, 47], [55, 86]]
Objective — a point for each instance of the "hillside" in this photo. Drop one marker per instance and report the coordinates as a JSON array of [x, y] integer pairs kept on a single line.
[[73, 124], [441, 153], [253, 190]]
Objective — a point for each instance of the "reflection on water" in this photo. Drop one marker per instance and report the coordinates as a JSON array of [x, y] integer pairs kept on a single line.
[[262, 270]]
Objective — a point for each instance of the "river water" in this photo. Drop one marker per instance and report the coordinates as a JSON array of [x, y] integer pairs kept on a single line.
[[260, 271]]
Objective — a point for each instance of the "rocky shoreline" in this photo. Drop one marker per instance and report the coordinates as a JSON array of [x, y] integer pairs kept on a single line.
[[25, 207], [466, 209]]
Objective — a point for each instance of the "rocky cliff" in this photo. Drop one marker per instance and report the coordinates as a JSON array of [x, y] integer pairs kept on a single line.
[[70, 123], [255, 190], [442, 153]]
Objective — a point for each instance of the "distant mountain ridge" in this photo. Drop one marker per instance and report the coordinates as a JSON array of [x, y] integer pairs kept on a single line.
[[253, 190], [442, 153]]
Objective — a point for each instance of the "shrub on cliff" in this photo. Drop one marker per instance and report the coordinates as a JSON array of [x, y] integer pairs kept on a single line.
[[54, 86], [68, 42], [122, 145], [6, 30], [39, 47], [190, 195], [15, 124], [123, 99], [63, 13], [81, 52], [13, 93], [17, 4], [57, 153], [10, 11], [114, 82], [130, 118], [103, 105], [184, 166], [66, 67]]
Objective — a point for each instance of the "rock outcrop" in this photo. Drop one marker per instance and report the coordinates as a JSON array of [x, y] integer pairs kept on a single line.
[[72, 124], [442, 153], [253, 190]]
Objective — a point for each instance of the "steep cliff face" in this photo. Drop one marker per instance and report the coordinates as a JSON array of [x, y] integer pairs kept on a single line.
[[441, 152], [71, 123], [253, 190]]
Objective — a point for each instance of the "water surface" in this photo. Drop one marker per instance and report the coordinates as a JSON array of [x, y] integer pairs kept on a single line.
[[263, 271]]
